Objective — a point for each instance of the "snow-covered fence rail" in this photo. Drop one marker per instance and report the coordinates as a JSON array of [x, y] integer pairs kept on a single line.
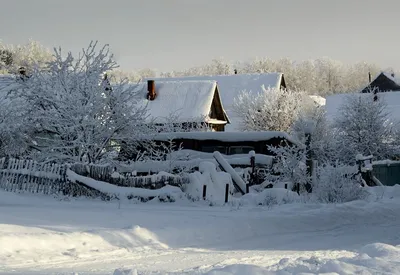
[[18, 175], [97, 172], [107, 174], [150, 182]]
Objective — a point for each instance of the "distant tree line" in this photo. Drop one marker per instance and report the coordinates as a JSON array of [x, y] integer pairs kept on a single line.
[[323, 76]]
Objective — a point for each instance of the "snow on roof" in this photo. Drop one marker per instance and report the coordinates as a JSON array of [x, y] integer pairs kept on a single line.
[[230, 86], [392, 101], [319, 100], [395, 78], [185, 100], [223, 136]]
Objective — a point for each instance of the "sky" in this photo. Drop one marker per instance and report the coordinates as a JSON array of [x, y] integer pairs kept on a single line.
[[167, 35]]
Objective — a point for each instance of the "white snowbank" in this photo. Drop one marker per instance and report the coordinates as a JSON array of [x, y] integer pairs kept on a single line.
[[269, 197], [376, 258], [39, 235]]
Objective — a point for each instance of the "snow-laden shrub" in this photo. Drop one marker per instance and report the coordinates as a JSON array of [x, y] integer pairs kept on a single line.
[[338, 185]]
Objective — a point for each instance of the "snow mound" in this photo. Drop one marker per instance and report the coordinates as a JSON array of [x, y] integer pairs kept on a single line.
[[215, 182], [374, 258], [238, 269], [379, 250], [272, 196], [36, 244], [121, 271]]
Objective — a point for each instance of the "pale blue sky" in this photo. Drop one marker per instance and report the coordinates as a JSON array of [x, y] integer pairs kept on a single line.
[[175, 34]]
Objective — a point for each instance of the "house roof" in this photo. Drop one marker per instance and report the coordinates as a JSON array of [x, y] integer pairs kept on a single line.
[[230, 86], [392, 101], [184, 101], [384, 82]]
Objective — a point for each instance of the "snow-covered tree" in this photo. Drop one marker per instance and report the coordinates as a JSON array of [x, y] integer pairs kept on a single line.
[[76, 116], [28, 55], [15, 125], [269, 110], [364, 127], [322, 143]]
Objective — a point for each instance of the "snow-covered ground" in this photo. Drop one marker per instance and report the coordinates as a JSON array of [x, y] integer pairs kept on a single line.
[[42, 235]]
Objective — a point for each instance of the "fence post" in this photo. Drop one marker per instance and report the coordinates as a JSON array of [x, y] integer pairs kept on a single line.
[[253, 167], [309, 164], [247, 188], [226, 192], [204, 192]]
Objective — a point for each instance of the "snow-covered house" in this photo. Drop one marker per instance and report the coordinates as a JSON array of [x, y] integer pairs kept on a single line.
[[183, 102], [384, 82], [230, 86]]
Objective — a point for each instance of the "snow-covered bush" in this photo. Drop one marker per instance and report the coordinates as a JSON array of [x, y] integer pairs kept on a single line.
[[269, 110], [29, 55], [338, 184], [290, 165], [77, 113], [15, 129]]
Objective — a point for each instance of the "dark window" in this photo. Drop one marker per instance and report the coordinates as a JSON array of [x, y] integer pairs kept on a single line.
[[212, 149], [233, 150]]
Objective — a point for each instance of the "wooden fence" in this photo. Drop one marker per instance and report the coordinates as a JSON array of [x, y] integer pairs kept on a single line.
[[32, 177], [387, 174], [106, 173]]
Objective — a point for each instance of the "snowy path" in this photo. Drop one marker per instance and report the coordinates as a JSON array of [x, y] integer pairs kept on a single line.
[[39, 235]]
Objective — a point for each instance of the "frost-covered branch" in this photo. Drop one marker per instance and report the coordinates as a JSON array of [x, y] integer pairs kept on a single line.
[[269, 110], [77, 118]]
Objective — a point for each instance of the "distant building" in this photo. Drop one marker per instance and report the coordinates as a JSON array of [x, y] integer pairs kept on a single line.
[[384, 82], [183, 103], [230, 86]]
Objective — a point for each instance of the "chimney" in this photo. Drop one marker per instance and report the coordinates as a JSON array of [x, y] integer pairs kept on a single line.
[[22, 73], [151, 90], [369, 77]]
